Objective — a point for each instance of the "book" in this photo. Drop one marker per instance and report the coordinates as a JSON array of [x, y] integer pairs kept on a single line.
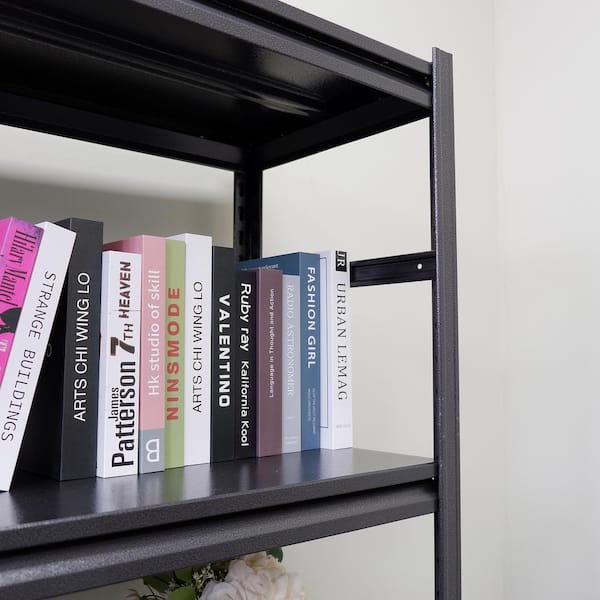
[[245, 365], [119, 373], [152, 348], [60, 439], [268, 362], [20, 243], [222, 432], [336, 351], [175, 347], [307, 266], [290, 374], [197, 342], [30, 343]]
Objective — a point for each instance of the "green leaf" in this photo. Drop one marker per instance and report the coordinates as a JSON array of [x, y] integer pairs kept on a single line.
[[184, 593], [157, 582], [184, 575], [276, 553]]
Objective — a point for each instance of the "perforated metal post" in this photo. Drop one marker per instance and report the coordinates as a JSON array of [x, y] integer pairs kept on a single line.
[[247, 214], [445, 333]]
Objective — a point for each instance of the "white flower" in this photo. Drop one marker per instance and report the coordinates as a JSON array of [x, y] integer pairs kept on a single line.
[[255, 582], [288, 586], [261, 562], [223, 591], [256, 577]]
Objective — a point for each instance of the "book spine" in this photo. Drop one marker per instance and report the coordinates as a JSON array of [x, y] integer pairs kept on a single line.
[[197, 343], [82, 352], [118, 402], [31, 340], [290, 392], [336, 352], [268, 362], [307, 266], [75, 344], [174, 412], [310, 329], [152, 357], [20, 244], [245, 365], [152, 348], [222, 410]]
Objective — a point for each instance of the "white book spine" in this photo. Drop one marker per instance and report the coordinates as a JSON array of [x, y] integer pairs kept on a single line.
[[336, 351], [197, 343], [30, 343], [291, 419], [119, 382]]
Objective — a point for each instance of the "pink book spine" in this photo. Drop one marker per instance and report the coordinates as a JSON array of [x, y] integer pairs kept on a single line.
[[152, 347], [20, 243]]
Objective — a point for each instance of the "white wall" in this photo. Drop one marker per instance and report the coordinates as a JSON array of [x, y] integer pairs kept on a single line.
[[548, 131], [371, 197]]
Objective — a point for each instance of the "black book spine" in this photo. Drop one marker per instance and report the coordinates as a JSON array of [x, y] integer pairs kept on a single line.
[[62, 431], [245, 365], [222, 422]]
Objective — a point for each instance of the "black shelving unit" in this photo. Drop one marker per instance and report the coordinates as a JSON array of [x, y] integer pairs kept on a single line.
[[243, 85]]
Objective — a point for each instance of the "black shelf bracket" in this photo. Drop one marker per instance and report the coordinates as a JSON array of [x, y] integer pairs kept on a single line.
[[393, 269]]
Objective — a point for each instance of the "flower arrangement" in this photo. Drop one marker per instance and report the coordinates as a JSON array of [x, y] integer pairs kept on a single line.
[[259, 576]]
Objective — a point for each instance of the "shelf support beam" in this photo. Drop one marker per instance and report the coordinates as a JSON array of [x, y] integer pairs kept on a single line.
[[356, 124], [66, 568], [445, 333], [40, 115]]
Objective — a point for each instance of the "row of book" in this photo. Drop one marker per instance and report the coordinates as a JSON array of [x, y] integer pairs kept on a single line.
[[161, 353]]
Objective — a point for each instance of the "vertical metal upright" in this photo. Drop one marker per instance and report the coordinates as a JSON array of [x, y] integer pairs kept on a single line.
[[445, 333], [247, 213]]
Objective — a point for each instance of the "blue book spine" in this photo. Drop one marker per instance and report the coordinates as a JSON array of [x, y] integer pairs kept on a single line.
[[307, 266]]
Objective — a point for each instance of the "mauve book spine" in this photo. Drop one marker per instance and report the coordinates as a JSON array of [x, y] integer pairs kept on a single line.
[[268, 359]]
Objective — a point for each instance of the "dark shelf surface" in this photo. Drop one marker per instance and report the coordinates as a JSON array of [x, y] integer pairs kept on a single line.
[[41, 511], [201, 80], [52, 570]]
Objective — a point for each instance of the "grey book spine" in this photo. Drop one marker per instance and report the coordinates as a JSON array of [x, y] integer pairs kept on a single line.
[[290, 392]]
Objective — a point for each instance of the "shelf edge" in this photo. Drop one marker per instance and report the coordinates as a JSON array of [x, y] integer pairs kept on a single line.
[[72, 567]]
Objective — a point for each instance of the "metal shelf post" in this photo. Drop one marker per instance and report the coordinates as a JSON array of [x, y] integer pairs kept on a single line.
[[445, 333]]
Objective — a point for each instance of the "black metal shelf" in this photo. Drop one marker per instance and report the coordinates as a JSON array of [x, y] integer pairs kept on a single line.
[[243, 85], [51, 571], [40, 511], [62, 537], [210, 82]]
